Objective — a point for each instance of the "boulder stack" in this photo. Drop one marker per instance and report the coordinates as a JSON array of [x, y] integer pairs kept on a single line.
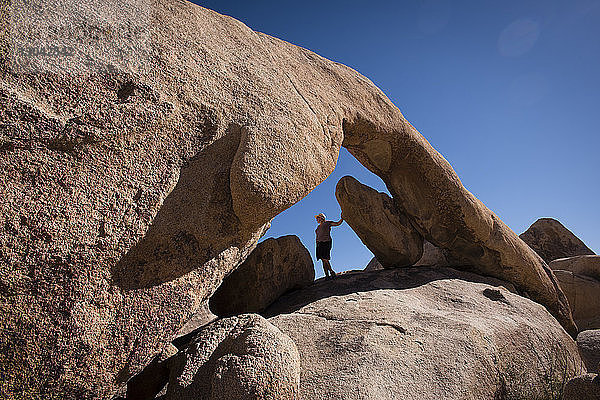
[[133, 184]]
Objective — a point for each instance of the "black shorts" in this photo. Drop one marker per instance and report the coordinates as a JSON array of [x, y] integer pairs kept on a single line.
[[324, 250]]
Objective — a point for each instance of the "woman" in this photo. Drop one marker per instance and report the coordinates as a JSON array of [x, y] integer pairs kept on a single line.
[[323, 233]]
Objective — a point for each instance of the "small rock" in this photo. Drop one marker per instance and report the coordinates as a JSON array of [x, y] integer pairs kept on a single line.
[[373, 265]]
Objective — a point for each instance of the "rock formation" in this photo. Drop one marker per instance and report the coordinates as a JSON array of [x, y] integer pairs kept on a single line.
[[589, 348], [583, 293], [132, 184], [551, 240], [275, 267], [427, 333], [238, 358], [379, 224], [580, 265]]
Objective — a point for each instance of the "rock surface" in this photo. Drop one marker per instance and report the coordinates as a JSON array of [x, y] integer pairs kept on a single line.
[[275, 267], [373, 265], [379, 224], [551, 240], [589, 348], [238, 358], [152, 379], [580, 265], [584, 387], [424, 333], [202, 317], [433, 256], [132, 184], [584, 298]]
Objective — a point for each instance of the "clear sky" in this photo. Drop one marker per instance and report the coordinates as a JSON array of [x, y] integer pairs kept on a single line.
[[507, 91]]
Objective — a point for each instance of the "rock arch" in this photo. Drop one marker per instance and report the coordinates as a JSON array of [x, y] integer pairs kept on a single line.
[[84, 225]]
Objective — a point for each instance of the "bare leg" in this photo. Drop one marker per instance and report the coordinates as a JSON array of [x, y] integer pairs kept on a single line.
[[325, 269], [327, 264]]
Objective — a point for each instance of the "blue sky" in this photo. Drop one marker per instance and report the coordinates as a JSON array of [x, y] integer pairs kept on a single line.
[[508, 92]]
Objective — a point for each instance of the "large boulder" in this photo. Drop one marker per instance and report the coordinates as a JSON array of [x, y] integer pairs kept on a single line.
[[581, 265], [379, 224], [424, 333], [583, 293], [238, 358], [551, 240], [142, 165], [275, 267], [584, 387], [589, 348]]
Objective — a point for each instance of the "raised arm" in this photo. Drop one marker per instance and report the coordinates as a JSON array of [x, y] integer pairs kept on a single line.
[[338, 223]]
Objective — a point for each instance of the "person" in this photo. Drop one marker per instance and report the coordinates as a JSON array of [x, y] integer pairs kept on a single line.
[[323, 233]]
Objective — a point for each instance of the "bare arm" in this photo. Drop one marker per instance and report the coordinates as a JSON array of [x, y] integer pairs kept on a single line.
[[338, 223]]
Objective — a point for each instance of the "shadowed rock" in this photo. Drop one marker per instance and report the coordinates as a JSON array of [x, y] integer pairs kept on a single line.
[[589, 347], [583, 293], [581, 265], [551, 240], [275, 267], [584, 387], [379, 224]]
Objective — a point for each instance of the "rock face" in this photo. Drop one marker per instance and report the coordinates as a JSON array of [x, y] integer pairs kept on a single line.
[[589, 348], [424, 333], [584, 387], [202, 317], [133, 183], [273, 268], [379, 224], [433, 256], [580, 265], [238, 358], [551, 240], [148, 383], [584, 298]]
